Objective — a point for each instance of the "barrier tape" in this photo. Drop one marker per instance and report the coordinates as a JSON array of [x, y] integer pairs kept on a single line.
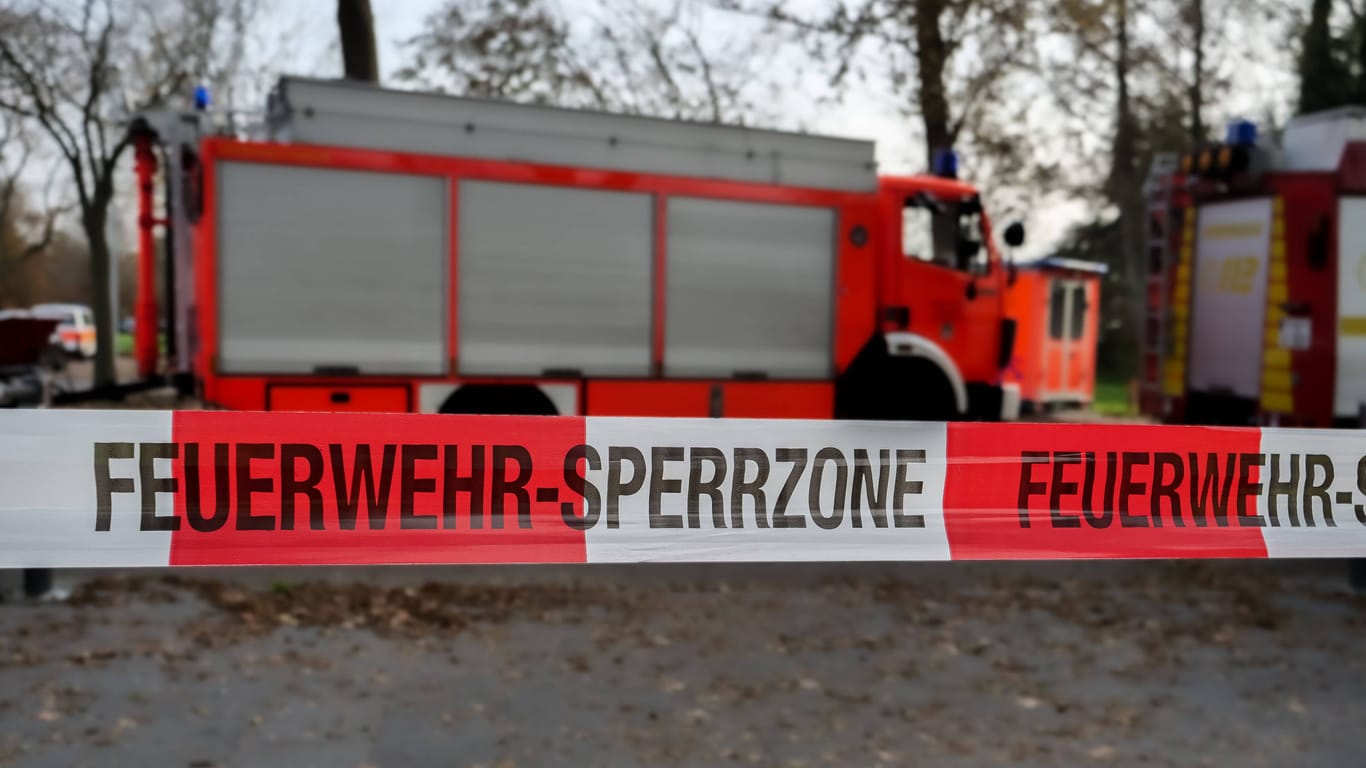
[[155, 488]]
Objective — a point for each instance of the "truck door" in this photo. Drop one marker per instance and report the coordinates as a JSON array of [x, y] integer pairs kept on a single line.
[[1350, 385], [1233, 242], [1066, 365], [1055, 345], [1078, 360], [951, 282]]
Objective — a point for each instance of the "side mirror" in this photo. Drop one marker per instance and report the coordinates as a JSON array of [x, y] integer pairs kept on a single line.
[[1015, 234]]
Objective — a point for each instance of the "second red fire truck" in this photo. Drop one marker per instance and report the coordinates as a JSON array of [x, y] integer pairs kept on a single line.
[[1256, 309]]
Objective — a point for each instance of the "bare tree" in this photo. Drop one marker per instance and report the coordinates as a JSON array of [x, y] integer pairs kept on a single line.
[[1130, 79], [75, 72], [620, 55], [947, 59], [505, 49], [24, 232]]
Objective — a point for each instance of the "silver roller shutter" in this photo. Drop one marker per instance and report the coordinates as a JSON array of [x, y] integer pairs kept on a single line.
[[323, 268]]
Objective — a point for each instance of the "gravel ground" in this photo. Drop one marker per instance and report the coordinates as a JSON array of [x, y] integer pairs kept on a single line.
[[1155, 663]]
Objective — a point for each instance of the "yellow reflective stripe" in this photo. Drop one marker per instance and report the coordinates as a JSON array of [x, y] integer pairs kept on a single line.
[[1276, 379], [1277, 358], [1280, 402], [1352, 326]]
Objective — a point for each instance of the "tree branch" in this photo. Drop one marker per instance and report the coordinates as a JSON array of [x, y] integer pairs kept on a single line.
[[707, 77]]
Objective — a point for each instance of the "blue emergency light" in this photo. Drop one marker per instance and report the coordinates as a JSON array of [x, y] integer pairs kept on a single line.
[[1241, 133], [945, 164], [201, 98]]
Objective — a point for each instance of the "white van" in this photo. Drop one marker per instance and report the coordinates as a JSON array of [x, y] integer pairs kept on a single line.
[[76, 330]]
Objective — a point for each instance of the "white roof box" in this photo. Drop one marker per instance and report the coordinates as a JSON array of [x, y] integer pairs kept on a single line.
[[1314, 142], [352, 114]]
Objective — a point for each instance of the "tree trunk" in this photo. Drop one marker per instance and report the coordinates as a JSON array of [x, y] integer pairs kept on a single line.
[[356, 24], [931, 58], [93, 220], [1324, 80], [1359, 89], [931, 55], [1197, 90], [1125, 190]]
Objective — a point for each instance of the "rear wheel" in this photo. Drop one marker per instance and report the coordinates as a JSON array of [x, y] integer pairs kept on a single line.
[[499, 399], [877, 387], [54, 358], [984, 402]]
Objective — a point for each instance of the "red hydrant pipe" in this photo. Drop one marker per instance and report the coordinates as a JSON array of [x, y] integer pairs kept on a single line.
[[145, 311]]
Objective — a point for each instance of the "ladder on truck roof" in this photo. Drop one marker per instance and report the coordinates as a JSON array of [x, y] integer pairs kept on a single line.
[[1162, 368], [350, 114]]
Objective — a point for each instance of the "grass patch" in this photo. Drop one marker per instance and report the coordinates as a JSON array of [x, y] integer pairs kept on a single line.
[[1112, 398], [123, 344]]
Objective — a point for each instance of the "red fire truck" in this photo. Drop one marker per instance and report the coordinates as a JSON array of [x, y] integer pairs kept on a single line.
[[384, 250], [1256, 304]]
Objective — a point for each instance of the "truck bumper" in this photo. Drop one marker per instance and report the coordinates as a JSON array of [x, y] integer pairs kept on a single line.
[[1010, 402]]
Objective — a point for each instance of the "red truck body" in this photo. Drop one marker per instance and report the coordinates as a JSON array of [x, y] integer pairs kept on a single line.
[[1256, 284], [908, 336]]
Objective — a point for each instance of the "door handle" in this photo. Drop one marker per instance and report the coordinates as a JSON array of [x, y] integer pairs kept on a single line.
[[340, 397]]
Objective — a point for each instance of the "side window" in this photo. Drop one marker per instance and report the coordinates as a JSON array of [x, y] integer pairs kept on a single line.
[[973, 255], [917, 236], [1078, 312], [947, 233], [1057, 305]]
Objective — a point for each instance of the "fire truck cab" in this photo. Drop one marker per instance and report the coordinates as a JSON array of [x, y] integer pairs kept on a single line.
[[381, 250], [944, 293], [1256, 306]]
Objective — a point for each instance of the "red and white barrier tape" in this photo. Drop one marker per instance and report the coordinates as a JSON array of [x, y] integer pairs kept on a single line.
[[147, 488]]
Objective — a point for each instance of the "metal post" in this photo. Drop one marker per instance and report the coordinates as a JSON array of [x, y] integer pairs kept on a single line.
[[1356, 567], [145, 314]]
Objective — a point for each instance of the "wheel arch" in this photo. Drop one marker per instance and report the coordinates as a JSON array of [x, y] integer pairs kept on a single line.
[[906, 344]]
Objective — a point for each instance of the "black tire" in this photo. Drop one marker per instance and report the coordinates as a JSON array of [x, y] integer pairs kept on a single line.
[[923, 392], [37, 582], [54, 358], [500, 399], [984, 402], [1356, 574], [879, 387]]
